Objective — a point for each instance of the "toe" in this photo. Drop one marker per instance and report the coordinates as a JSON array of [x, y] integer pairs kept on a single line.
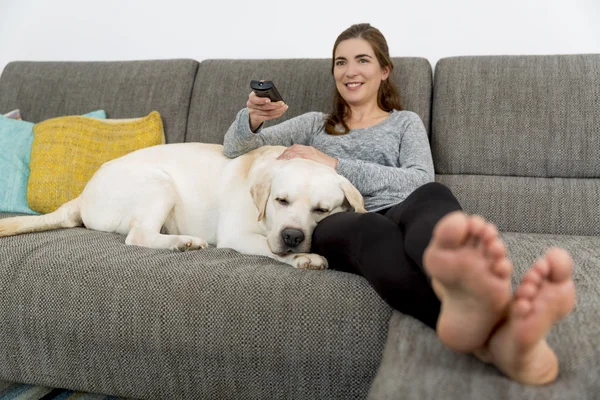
[[477, 225], [496, 250], [560, 264], [452, 230], [503, 268], [490, 233], [527, 291], [542, 267], [521, 307], [533, 275]]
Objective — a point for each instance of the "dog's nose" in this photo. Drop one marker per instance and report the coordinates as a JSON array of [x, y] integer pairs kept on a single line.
[[292, 237]]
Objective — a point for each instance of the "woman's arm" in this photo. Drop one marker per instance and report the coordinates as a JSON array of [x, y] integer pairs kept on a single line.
[[240, 139]]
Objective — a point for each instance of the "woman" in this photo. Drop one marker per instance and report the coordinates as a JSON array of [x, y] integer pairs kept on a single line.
[[419, 251]]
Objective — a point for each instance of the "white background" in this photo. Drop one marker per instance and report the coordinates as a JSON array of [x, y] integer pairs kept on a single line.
[[125, 30]]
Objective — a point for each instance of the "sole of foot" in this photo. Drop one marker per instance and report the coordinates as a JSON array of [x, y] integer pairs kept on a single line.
[[545, 296], [470, 273]]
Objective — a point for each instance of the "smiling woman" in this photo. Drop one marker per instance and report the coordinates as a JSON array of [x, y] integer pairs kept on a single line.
[[361, 68], [415, 246]]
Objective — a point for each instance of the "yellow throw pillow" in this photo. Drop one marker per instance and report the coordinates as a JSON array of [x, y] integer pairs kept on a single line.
[[66, 152]]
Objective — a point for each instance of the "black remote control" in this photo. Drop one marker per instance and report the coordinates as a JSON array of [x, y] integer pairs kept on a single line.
[[266, 89]]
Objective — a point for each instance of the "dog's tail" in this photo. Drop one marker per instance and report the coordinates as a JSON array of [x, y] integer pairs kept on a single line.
[[66, 216]]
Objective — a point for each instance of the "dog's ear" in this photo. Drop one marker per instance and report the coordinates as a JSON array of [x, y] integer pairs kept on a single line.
[[353, 196], [260, 191]]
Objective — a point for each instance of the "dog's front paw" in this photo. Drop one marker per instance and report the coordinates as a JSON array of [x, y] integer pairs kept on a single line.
[[190, 243], [309, 261]]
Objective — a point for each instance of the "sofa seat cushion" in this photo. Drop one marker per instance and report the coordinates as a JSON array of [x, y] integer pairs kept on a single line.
[[82, 310], [417, 366]]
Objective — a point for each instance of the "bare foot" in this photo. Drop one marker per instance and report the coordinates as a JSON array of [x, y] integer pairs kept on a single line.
[[546, 294], [471, 275]]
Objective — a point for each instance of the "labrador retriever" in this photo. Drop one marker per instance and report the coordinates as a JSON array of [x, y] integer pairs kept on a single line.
[[186, 196]]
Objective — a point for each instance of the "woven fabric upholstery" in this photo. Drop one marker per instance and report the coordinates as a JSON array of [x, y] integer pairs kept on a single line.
[[517, 138], [434, 372], [80, 309], [521, 204], [124, 89], [222, 88], [518, 115]]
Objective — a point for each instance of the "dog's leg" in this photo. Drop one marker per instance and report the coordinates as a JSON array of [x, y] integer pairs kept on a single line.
[[149, 218], [255, 244], [136, 202], [141, 235]]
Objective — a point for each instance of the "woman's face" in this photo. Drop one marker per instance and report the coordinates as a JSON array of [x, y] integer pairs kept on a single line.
[[357, 72]]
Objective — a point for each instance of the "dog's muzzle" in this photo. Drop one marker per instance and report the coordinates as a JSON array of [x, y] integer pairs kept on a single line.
[[292, 237]]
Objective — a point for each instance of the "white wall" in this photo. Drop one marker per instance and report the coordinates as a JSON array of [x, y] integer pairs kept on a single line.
[[152, 29]]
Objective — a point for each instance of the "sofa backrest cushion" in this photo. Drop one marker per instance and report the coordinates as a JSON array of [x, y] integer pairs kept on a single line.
[[222, 88], [124, 89], [517, 138]]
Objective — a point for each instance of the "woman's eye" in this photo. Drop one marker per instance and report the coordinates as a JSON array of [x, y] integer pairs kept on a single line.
[[283, 202], [363, 60], [339, 63]]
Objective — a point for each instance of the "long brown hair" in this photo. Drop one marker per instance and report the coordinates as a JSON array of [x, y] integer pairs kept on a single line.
[[388, 98]]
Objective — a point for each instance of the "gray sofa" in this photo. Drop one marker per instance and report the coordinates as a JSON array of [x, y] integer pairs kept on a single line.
[[517, 138]]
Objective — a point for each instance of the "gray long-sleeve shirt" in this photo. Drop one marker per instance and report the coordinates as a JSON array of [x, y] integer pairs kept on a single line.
[[385, 162]]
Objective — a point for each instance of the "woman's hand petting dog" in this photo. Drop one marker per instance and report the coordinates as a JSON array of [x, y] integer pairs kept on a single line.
[[310, 153]]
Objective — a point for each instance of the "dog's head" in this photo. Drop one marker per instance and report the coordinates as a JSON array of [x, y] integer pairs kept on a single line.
[[296, 195]]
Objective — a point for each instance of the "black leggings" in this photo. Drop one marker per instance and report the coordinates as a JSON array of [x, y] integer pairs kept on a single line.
[[386, 248]]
